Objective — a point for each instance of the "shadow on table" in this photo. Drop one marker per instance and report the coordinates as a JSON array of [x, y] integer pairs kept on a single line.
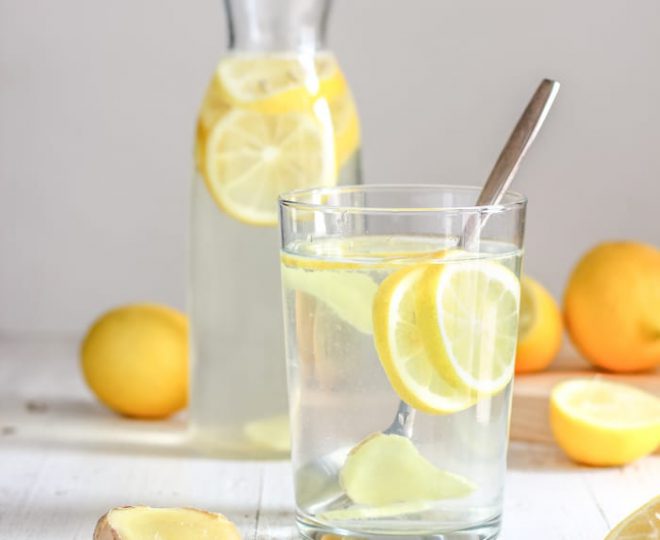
[[85, 425], [78, 424]]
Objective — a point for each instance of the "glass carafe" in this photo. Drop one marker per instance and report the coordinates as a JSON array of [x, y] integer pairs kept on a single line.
[[277, 115]]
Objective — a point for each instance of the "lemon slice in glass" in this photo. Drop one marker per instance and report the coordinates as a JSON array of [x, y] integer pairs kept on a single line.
[[469, 322], [251, 158], [348, 294], [360, 512], [402, 349]]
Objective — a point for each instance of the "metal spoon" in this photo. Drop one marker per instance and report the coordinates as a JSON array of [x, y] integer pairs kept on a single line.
[[498, 182], [326, 469]]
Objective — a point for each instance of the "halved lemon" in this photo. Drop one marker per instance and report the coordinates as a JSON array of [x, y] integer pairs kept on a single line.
[[251, 158], [402, 348], [540, 329], [599, 422], [470, 322], [642, 524]]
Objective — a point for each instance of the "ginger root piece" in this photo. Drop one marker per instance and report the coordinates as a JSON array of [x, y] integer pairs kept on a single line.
[[146, 523], [387, 469]]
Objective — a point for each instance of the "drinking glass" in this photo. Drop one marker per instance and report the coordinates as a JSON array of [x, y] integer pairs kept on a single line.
[[390, 313]]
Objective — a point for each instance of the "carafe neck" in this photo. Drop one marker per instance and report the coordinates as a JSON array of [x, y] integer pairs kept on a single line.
[[277, 25]]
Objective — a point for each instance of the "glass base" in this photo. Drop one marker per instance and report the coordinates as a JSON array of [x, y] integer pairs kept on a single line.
[[487, 530]]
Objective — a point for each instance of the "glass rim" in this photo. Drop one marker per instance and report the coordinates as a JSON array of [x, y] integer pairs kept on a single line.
[[299, 199]]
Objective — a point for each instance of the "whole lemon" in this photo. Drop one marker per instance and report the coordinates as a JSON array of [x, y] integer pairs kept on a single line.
[[540, 329], [135, 360], [612, 306]]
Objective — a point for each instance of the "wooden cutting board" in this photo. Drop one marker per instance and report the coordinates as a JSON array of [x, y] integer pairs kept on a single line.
[[531, 393]]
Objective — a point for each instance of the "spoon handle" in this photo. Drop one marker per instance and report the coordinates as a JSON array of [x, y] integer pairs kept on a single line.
[[519, 142], [500, 177], [507, 163]]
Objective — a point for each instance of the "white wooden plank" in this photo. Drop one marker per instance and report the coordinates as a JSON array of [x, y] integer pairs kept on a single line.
[[68, 460], [276, 519], [618, 491], [546, 497], [72, 490]]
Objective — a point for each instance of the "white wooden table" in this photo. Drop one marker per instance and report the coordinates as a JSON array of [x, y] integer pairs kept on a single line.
[[65, 460]]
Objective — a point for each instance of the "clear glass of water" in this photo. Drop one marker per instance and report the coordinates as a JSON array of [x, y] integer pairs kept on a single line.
[[393, 319]]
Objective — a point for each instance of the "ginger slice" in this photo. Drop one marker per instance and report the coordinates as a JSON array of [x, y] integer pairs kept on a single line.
[[387, 469], [146, 523]]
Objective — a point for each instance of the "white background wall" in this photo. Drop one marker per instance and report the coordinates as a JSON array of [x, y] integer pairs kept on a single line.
[[98, 100]]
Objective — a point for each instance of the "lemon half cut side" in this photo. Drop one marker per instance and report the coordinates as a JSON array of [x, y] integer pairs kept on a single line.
[[603, 423]]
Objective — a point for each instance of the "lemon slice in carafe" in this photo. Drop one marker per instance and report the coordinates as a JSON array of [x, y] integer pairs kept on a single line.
[[251, 158], [270, 124]]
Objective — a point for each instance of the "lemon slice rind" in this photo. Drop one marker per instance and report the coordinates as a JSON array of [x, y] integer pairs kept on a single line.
[[609, 405], [251, 158], [485, 320], [643, 523], [410, 372]]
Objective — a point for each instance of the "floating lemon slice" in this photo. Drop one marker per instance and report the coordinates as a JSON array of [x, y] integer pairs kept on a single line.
[[402, 346], [271, 123], [372, 512], [469, 322], [361, 253], [346, 125], [278, 83], [335, 271], [251, 158], [388, 469], [599, 422], [349, 294], [272, 433], [307, 263]]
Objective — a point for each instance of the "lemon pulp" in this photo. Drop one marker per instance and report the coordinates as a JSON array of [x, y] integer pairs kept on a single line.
[[469, 319], [540, 327], [272, 123], [402, 348], [600, 422], [642, 524]]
